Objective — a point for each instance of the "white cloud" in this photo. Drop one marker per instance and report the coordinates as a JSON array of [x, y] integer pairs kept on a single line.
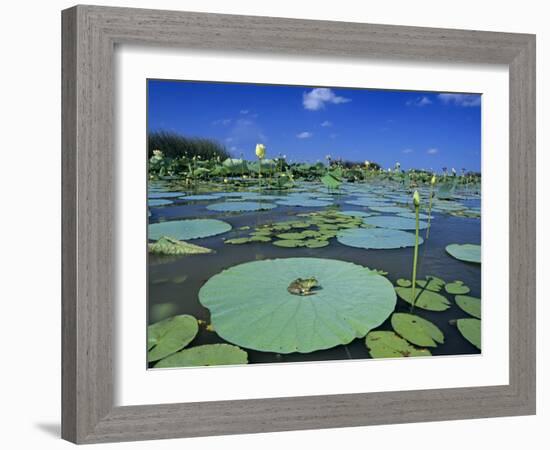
[[432, 151], [228, 139], [460, 99], [318, 97], [244, 111], [304, 135], [333, 135], [419, 101], [326, 123], [221, 122], [408, 150]]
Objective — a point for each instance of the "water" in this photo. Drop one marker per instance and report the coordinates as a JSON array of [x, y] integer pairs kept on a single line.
[[166, 273]]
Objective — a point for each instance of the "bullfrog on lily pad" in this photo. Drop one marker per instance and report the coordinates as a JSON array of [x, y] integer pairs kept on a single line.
[[303, 286]]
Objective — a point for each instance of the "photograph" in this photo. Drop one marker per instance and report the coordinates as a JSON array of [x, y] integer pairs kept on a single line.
[[296, 224]]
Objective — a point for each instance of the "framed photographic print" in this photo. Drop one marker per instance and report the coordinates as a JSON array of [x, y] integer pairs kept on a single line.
[[264, 227]]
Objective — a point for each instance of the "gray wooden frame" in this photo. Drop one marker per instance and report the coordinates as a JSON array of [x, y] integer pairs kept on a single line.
[[90, 34]]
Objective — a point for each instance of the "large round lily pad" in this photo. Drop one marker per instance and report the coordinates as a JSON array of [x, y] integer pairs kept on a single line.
[[411, 215], [240, 206], [303, 201], [377, 238], [155, 195], [425, 299], [470, 305], [471, 330], [465, 252], [158, 202], [417, 330], [358, 213], [205, 355], [387, 344], [170, 335], [390, 209], [200, 197], [366, 202], [188, 229], [251, 306], [394, 223]]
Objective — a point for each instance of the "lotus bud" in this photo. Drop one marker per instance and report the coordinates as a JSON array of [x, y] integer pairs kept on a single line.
[[416, 199], [367, 164], [433, 180], [260, 151], [225, 180]]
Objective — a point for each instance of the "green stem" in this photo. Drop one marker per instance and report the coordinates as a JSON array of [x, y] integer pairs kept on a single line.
[[415, 258], [430, 211], [260, 172]]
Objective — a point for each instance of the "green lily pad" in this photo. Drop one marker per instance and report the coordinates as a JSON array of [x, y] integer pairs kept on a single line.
[[240, 206], [188, 229], [200, 197], [250, 304], [169, 246], [170, 335], [358, 213], [411, 215], [205, 355], [377, 238], [288, 243], [431, 283], [306, 202], [403, 282], [390, 209], [465, 252], [417, 330], [387, 344], [315, 243], [425, 299], [259, 238], [457, 287], [237, 241], [156, 195], [159, 202], [291, 236], [471, 330], [394, 223], [470, 305], [367, 202]]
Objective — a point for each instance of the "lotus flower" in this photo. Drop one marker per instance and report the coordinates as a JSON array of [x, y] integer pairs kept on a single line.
[[416, 199], [260, 151]]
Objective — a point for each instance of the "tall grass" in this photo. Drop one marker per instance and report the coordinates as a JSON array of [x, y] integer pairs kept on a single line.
[[174, 145]]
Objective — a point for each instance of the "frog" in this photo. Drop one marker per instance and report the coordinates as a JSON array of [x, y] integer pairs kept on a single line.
[[303, 286]]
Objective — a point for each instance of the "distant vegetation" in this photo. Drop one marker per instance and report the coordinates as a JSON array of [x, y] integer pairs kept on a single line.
[[174, 145]]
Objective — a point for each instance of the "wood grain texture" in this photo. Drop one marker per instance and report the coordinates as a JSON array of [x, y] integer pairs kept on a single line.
[[89, 37]]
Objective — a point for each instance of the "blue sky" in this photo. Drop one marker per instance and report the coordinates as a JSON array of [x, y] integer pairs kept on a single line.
[[417, 129]]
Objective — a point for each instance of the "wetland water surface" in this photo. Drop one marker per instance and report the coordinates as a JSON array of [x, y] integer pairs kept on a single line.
[[175, 281]]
